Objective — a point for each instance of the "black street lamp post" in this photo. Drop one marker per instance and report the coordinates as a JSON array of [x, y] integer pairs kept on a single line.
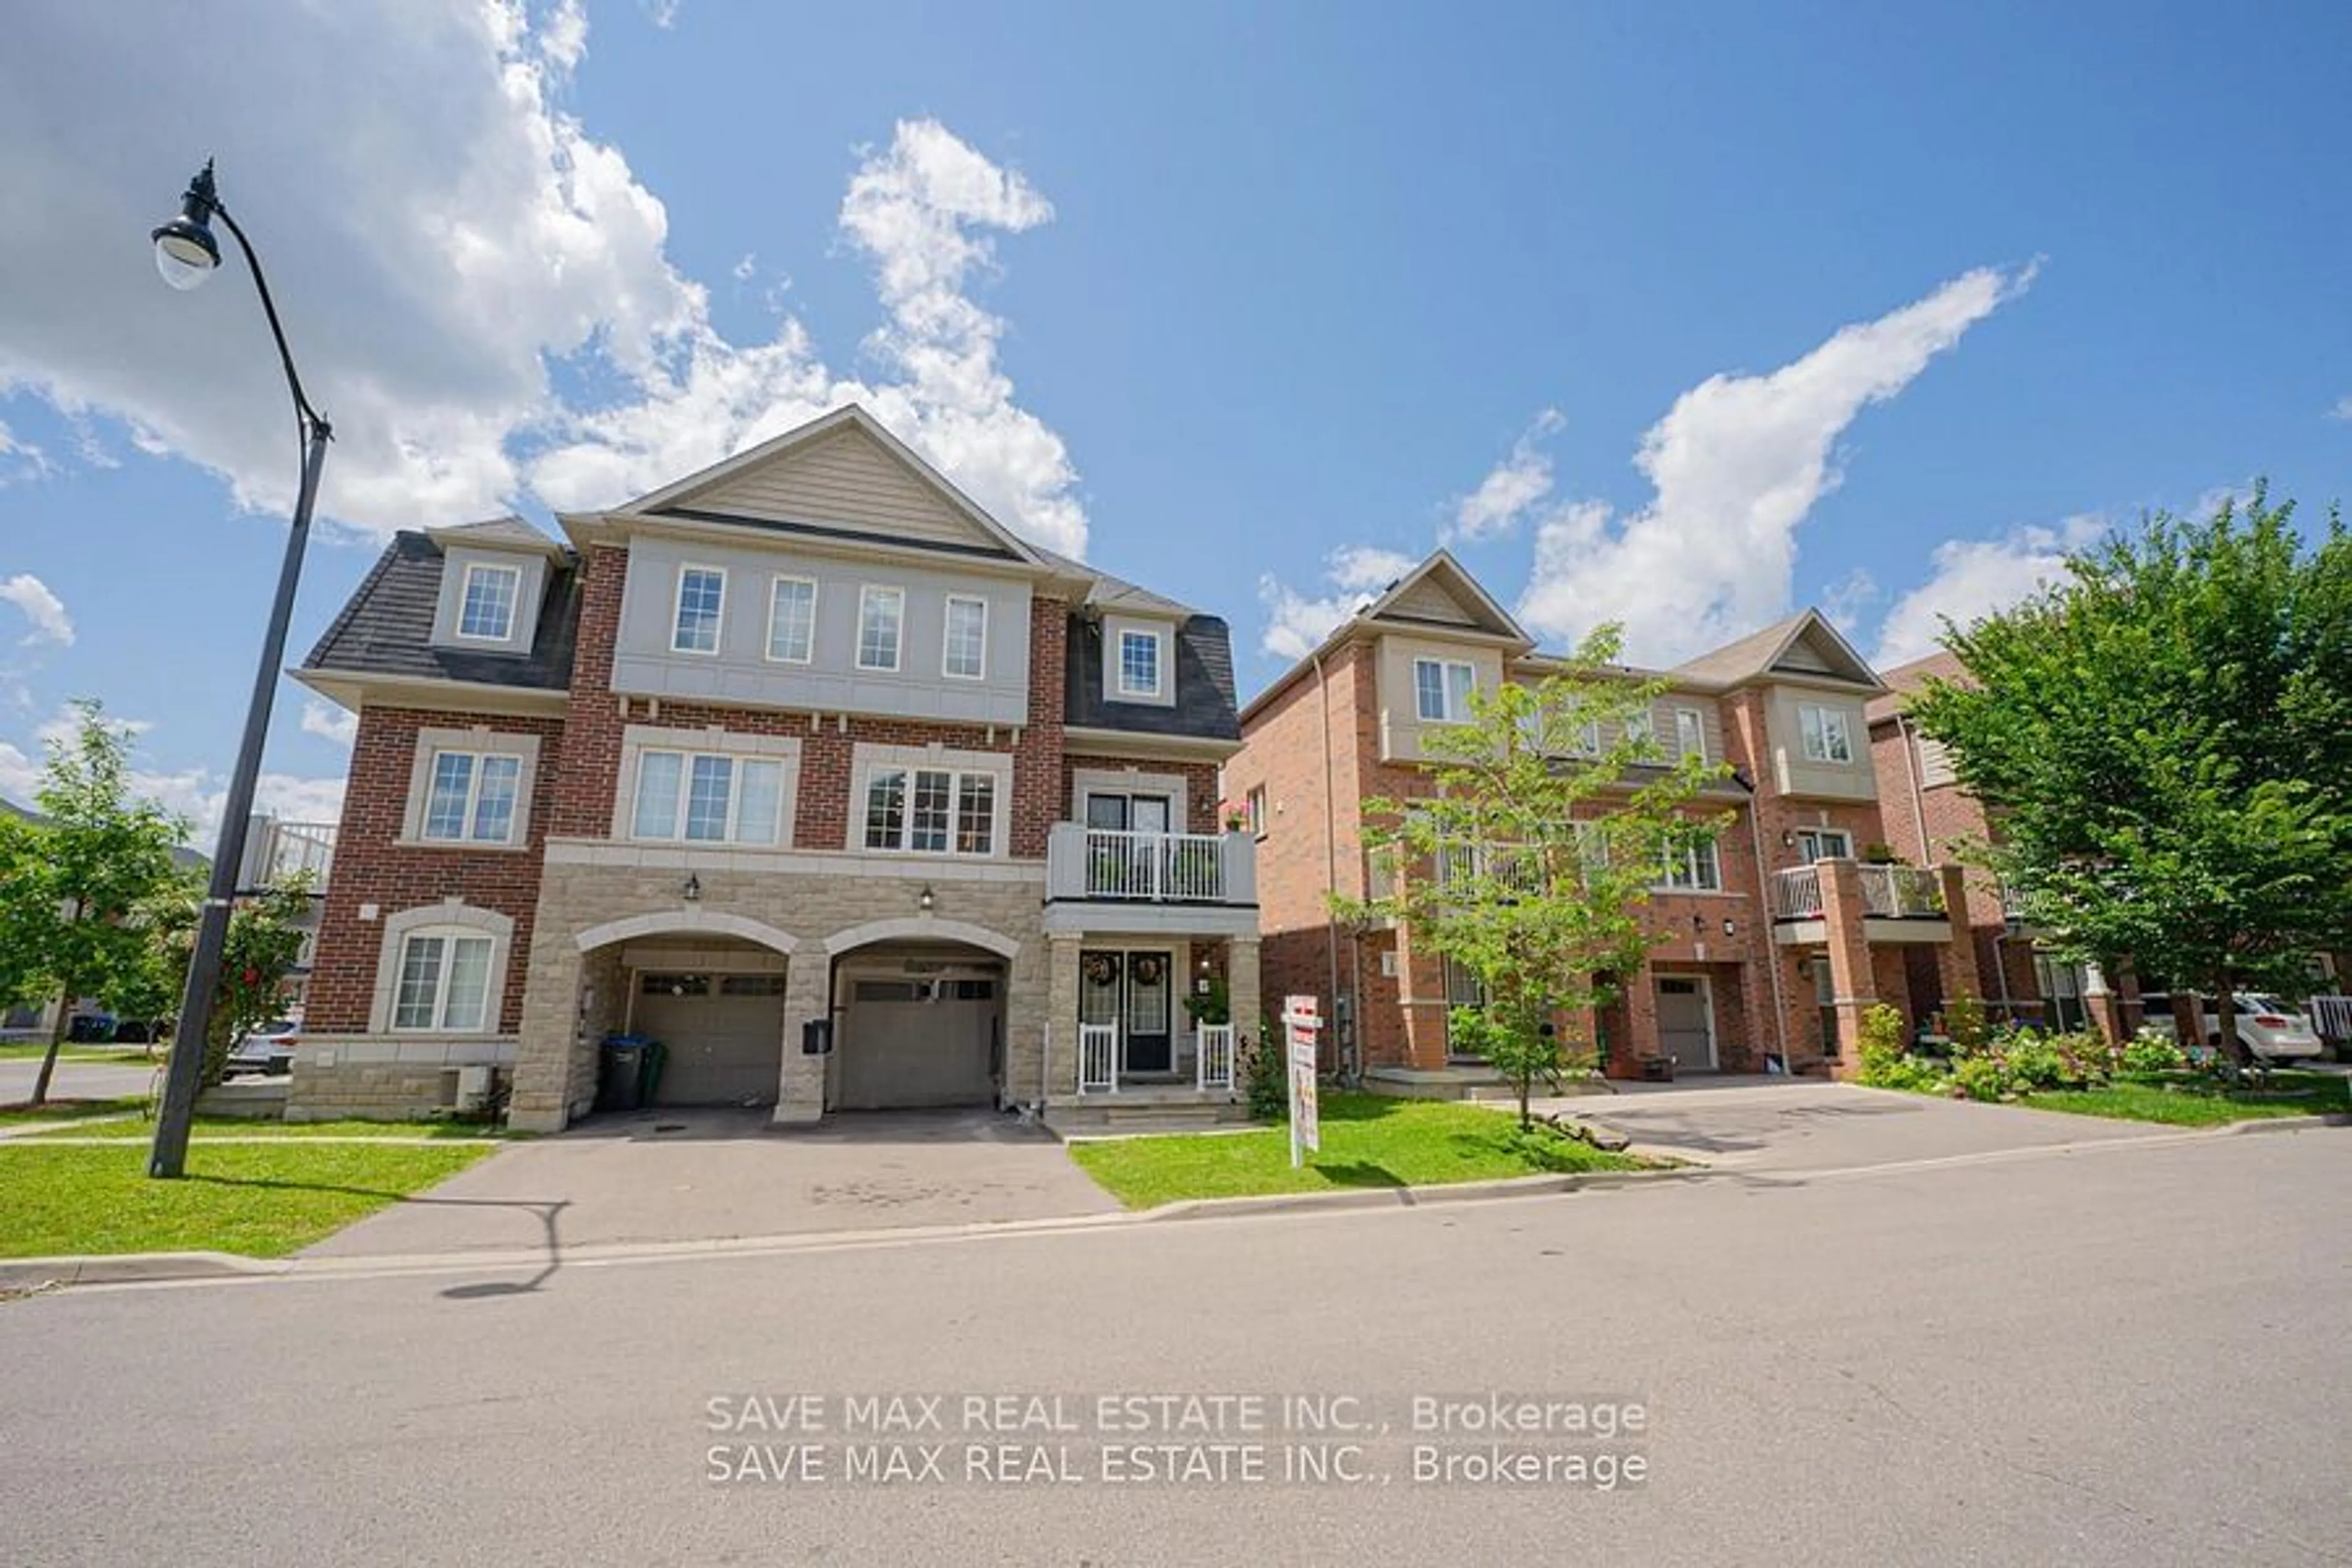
[[186, 254]]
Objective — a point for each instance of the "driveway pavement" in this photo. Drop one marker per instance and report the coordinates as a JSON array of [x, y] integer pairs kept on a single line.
[[1801, 1125], [702, 1175]]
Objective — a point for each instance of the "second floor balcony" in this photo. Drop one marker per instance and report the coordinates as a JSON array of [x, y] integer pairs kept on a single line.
[[1149, 880], [1898, 903]]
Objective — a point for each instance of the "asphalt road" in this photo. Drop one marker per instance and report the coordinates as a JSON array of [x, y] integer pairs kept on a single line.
[[2130, 1353], [74, 1080]]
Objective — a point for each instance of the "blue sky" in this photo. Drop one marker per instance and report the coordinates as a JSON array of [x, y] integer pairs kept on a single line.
[[1727, 308]]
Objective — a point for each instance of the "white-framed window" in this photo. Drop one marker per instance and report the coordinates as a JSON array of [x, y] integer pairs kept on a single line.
[[1825, 734], [1254, 810], [930, 811], [1588, 738], [1441, 690], [1138, 663], [1640, 729], [708, 797], [701, 599], [792, 620], [1694, 868], [470, 797], [486, 602], [881, 621], [443, 981], [1690, 734], [964, 641], [1824, 843]]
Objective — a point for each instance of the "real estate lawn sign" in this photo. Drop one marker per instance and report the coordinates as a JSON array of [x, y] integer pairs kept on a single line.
[[1304, 1025]]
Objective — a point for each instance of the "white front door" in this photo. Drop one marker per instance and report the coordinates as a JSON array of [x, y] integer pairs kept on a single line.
[[1686, 1021]]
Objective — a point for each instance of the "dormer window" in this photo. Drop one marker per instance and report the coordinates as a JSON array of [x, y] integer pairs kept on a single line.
[[1138, 663], [485, 611]]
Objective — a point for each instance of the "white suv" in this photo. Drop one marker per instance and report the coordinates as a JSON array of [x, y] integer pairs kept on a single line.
[[2269, 1029]]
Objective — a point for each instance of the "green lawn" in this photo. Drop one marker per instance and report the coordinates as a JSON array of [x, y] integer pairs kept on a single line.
[[71, 1109], [1369, 1140], [2185, 1102], [215, 1127], [261, 1200]]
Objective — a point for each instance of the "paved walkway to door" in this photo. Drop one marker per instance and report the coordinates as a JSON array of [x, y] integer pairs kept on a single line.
[[701, 1175], [1797, 1125]]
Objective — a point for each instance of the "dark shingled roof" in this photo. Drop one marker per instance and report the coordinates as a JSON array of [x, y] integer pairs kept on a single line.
[[387, 628], [1204, 685]]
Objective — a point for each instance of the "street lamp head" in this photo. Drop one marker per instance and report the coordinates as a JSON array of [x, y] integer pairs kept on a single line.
[[186, 251]]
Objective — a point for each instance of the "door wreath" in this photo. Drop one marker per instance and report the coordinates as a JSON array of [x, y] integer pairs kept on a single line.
[[1148, 967], [1102, 968]]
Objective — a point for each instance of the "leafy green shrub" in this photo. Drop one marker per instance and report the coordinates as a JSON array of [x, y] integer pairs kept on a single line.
[[1885, 1063], [2149, 1055], [2088, 1058], [1979, 1078], [1266, 1075], [1964, 1021], [2027, 1061]]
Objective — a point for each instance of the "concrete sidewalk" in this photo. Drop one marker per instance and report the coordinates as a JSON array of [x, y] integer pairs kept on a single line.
[[702, 1175]]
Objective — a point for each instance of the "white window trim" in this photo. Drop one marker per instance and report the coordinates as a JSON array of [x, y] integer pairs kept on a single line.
[[1088, 783], [1445, 667], [1698, 727], [639, 739], [867, 759], [458, 631], [947, 624], [1689, 854], [677, 599], [731, 838], [1254, 810], [1159, 640], [448, 918], [898, 643], [1844, 837], [482, 742], [472, 807], [775, 582], [1823, 713]]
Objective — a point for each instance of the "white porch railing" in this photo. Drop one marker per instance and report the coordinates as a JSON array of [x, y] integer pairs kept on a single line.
[[2332, 1016], [1212, 1057], [1797, 894], [1098, 1059], [1902, 893], [1102, 863], [277, 851]]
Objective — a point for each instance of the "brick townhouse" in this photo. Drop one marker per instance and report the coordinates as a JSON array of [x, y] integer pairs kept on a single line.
[[1775, 938], [804, 766]]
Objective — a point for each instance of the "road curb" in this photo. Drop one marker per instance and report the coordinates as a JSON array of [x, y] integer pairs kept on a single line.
[[38, 1273], [1420, 1197], [2291, 1124]]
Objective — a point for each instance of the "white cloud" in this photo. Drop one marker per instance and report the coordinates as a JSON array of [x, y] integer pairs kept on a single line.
[[746, 268], [432, 277], [1844, 601], [662, 14], [1296, 622], [2343, 409], [1367, 568], [1972, 578], [328, 722], [1737, 465], [42, 607], [19, 459], [1509, 489]]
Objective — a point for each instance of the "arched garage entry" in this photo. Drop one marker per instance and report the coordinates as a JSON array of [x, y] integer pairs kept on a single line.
[[918, 1014], [711, 987]]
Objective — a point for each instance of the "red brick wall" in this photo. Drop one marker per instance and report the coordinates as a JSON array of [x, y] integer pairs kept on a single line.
[[373, 867]]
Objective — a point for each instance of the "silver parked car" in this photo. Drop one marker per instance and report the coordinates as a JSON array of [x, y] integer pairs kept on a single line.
[[2269, 1029]]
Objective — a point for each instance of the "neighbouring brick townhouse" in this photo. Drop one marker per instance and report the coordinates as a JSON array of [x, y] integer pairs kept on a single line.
[[804, 766], [1775, 939]]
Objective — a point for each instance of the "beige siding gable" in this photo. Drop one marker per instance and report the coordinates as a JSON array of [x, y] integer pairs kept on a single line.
[[1428, 601], [845, 480]]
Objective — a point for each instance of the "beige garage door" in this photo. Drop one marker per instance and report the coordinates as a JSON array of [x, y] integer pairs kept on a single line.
[[724, 1034], [1686, 1023], [912, 1043]]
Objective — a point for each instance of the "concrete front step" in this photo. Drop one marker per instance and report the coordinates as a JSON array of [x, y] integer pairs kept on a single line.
[[1148, 1110]]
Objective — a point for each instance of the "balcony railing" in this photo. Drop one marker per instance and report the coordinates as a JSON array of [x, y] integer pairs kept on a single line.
[[277, 851], [1902, 893], [1888, 892], [1104, 864], [1797, 894]]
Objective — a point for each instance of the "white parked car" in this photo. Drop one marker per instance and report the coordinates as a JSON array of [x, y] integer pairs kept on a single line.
[[2269, 1029]]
